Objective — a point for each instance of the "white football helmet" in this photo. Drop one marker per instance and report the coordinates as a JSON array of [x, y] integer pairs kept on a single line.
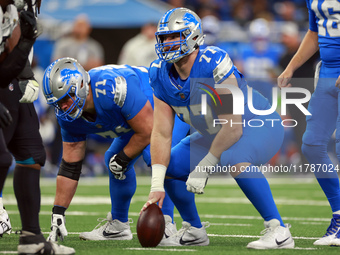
[[188, 25], [66, 77]]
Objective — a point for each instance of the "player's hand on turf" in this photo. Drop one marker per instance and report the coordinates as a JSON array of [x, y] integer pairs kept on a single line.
[[58, 228], [30, 90], [337, 83], [284, 79], [5, 117], [118, 166], [154, 197]]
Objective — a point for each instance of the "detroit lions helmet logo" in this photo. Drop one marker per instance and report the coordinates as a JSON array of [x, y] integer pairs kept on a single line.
[[67, 75]]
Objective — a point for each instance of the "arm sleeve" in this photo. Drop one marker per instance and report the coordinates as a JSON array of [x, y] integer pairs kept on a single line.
[[14, 63], [27, 72]]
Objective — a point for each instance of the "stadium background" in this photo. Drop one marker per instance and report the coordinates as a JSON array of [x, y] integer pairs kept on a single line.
[[233, 220]]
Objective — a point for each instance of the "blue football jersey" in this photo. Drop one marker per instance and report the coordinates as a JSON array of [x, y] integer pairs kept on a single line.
[[324, 18], [119, 93], [212, 66]]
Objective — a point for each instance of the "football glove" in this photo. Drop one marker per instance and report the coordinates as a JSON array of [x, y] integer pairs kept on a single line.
[[30, 90], [5, 117], [118, 165], [58, 228], [198, 178]]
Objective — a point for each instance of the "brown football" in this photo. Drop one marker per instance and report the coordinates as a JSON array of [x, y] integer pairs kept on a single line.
[[150, 226]]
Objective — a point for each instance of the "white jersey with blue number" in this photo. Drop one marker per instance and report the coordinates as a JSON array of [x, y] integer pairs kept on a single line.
[[118, 94]]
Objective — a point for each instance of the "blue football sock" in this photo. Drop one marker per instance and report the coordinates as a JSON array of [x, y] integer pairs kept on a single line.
[[256, 188], [328, 180], [183, 200], [121, 192], [168, 207]]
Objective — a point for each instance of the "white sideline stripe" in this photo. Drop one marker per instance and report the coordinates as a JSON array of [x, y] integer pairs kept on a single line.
[[249, 236], [209, 216], [157, 249], [95, 200], [8, 252]]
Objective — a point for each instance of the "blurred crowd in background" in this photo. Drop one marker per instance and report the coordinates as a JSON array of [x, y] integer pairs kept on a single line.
[[260, 36]]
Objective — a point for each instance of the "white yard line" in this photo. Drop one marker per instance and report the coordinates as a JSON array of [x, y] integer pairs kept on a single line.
[[208, 216], [105, 200]]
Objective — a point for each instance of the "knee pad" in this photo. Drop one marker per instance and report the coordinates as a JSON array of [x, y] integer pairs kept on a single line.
[[70, 170]]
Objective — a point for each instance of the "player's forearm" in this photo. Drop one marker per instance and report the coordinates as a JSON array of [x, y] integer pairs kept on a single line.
[[136, 145], [225, 138], [307, 49], [14, 63], [160, 148]]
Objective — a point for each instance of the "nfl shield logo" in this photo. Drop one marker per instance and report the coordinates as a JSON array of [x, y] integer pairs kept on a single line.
[[182, 95]]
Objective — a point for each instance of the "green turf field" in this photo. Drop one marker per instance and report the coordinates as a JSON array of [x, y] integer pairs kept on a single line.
[[233, 220]]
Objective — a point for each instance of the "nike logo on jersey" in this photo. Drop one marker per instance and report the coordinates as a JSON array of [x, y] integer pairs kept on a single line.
[[281, 242], [219, 61], [112, 235]]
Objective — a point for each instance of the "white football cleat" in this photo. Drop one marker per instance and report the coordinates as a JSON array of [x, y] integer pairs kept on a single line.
[[170, 228], [336, 240], [331, 232], [274, 237], [5, 223], [111, 230], [188, 235], [30, 243]]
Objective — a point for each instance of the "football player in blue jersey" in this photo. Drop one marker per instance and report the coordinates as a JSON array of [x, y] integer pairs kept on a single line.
[[323, 35], [112, 101], [181, 76]]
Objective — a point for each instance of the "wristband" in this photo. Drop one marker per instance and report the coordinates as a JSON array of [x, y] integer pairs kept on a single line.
[[123, 156], [158, 175]]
